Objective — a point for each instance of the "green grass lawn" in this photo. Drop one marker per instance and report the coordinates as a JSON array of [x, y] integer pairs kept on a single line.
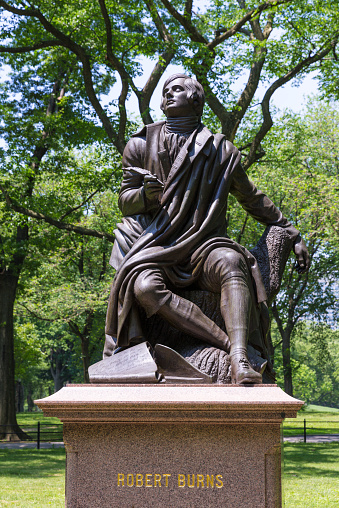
[[32, 478], [28, 419], [319, 420], [311, 475], [35, 478], [312, 408]]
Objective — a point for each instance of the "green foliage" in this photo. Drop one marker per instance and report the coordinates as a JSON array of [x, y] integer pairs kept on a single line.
[[315, 363], [31, 360], [64, 290], [277, 42]]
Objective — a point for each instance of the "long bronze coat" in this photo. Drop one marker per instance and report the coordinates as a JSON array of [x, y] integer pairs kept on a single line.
[[190, 221]]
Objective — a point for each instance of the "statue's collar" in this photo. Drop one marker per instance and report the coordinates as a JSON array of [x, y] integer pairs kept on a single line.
[[183, 125]]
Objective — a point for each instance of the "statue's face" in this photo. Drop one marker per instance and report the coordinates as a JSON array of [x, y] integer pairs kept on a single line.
[[175, 102]]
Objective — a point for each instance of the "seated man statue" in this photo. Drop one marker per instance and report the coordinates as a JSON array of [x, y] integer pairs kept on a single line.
[[177, 178]]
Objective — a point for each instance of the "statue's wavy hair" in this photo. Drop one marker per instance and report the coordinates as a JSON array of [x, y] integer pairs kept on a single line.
[[194, 92]]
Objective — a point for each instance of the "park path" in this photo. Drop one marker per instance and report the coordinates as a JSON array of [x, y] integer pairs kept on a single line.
[[316, 438], [19, 445]]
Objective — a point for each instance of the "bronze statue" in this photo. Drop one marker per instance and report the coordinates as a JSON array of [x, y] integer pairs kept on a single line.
[[177, 178]]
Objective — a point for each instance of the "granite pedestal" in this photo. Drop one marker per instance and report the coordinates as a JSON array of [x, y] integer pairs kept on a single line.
[[166, 446]]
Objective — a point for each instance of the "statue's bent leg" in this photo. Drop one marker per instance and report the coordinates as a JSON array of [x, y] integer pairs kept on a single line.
[[153, 295], [225, 270]]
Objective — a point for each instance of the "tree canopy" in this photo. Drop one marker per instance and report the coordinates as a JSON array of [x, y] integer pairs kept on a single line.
[[72, 69], [260, 44]]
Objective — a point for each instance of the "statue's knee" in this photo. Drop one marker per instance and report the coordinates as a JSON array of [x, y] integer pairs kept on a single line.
[[230, 262], [233, 259]]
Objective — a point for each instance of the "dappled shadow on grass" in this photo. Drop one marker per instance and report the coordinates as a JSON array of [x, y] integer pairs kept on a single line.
[[311, 460], [32, 463]]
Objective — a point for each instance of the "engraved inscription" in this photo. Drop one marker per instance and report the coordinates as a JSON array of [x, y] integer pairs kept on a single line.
[[143, 480], [200, 481], [191, 481]]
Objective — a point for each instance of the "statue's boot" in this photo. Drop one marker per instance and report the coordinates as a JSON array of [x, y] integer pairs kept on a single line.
[[188, 317], [236, 303], [242, 372]]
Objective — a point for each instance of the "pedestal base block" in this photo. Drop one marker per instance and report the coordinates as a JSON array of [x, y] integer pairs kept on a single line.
[[172, 446]]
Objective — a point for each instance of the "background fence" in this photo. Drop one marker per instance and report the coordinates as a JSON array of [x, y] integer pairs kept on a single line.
[[310, 427], [40, 433], [46, 432]]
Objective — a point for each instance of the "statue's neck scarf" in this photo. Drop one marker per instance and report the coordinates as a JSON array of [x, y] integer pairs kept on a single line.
[[182, 125], [177, 130]]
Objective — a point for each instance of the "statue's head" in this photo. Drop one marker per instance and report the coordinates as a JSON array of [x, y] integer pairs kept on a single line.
[[182, 96]]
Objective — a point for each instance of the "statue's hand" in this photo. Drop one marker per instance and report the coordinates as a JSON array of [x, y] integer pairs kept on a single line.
[[302, 255], [152, 187]]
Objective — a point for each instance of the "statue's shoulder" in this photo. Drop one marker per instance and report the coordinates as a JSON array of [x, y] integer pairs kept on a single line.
[[136, 145], [148, 129], [230, 148], [219, 140], [221, 143]]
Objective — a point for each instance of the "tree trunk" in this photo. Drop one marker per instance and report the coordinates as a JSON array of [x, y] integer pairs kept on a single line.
[[58, 369], [85, 357], [19, 395], [58, 383], [287, 367], [9, 428], [30, 402]]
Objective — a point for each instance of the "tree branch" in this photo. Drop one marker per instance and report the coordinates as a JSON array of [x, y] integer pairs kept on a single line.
[[242, 231], [35, 314], [88, 322], [66, 214], [186, 22], [277, 319], [54, 222], [144, 96], [230, 121], [226, 117], [19, 12], [160, 25], [75, 329], [265, 105], [124, 76], [26, 49], [253, 13], [298, 316], [259, 57], [188, 8]]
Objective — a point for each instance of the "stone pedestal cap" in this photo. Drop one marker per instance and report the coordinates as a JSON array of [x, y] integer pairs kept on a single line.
[[170, 403]]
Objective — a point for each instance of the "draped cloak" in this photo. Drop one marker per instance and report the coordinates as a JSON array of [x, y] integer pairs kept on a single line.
[[177, 234]]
